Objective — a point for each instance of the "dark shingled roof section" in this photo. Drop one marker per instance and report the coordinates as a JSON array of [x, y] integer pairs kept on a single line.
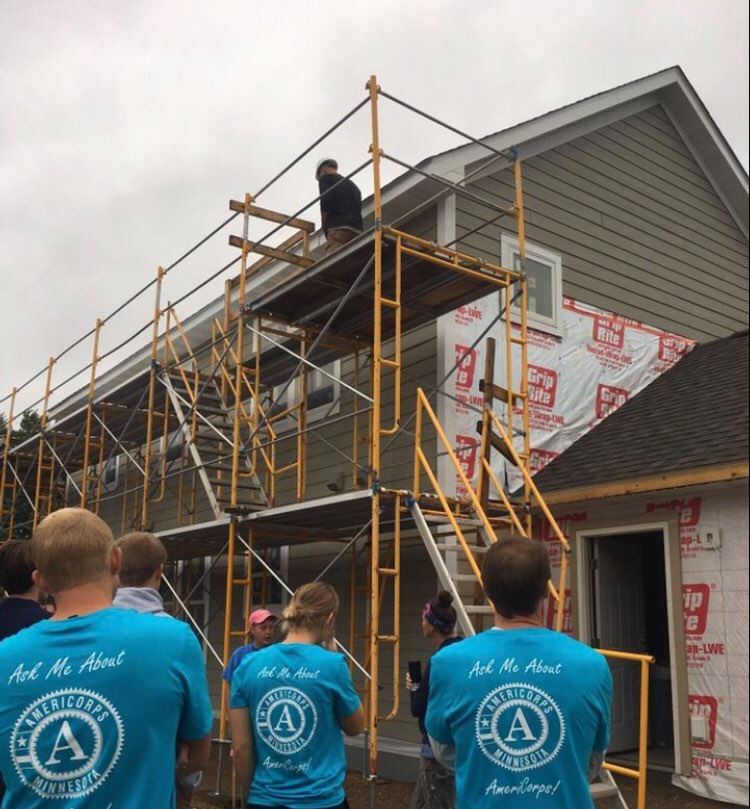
[[692, 416]]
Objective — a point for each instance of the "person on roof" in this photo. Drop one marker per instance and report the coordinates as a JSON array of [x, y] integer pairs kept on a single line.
[[340, 205]]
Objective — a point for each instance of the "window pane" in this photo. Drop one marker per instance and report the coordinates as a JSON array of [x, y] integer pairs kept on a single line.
[[539, 278]]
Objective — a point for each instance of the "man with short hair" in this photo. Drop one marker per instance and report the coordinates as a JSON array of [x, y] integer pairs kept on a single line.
[[143, 558], [340, 205], [260, 628], [523, 713], [21, 608], [141, 571], [94, 701]]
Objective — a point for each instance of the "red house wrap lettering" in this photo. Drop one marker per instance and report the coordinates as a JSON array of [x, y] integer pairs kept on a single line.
[[539, 458], [695, 598], [609, 330], [705, 707], [465, 371], [671, 348], [542, 386], [688, 511], [466, 452], [608, 399]]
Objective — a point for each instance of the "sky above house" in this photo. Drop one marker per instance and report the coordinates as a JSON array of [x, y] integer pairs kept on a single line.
[[128, 125]]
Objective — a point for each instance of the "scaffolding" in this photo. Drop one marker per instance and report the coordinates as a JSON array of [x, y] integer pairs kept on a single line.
[[205, 424]]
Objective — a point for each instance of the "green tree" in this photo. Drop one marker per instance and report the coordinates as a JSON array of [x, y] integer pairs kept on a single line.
[[28, 426]]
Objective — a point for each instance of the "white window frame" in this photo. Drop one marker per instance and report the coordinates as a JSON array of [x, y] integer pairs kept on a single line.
[[549, 325], [113, 464], [315, 381]]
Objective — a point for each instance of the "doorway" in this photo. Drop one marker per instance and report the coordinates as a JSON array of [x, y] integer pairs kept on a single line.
[[628, 611]]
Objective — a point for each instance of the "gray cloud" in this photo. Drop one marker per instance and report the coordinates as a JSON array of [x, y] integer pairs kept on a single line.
[[127, 126]]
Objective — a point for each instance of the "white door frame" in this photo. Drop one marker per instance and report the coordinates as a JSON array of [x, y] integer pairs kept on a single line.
[[674, 611]]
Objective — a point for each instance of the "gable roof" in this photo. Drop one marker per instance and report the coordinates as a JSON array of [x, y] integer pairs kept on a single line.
[[691, 417], [670, 88]]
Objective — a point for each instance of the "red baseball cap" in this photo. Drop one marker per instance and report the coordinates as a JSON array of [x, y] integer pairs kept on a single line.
[[259, 617]]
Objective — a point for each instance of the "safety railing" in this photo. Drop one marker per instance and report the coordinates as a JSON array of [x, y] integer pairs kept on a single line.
[[534, 492], [422, 464], [640, 774]]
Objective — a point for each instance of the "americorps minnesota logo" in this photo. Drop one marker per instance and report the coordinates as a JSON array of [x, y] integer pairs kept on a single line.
[[65, 744], [519, 727], [286, 719]]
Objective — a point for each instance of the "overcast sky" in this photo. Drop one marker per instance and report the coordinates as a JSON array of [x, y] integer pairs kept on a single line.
[[127, 126]]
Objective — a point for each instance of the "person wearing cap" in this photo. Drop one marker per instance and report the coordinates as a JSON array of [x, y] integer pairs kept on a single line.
[[340, 205], [260, 627]]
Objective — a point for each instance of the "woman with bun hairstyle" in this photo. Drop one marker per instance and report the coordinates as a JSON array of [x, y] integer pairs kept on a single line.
[[436, 788], [289, 704]]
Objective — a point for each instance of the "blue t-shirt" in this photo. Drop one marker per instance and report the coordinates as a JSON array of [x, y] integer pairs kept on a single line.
[[91, 709], [296, 694], [238, 655], [524, 709]]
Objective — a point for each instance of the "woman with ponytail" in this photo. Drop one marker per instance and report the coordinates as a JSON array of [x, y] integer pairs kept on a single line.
[[435, 787], [290, 703]]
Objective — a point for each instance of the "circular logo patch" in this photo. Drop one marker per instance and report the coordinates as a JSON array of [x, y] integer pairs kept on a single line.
[[519, 727], [65, 744], [286, 719]]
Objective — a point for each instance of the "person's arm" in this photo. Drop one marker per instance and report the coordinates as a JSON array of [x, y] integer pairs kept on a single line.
[[347, 705], [196, 721], [437, 719], [444, 753], [601, 739], [420, 695], [354, 724], [327, 204], [242, 747], [193, 755]]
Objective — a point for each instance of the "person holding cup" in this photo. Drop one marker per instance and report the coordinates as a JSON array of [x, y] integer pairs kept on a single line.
[[435, 788]]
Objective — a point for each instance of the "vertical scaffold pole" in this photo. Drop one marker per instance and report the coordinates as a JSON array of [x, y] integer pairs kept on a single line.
[[524, 336], [151, 397], [236, 437], [40, 456], [90, 416], [375, 433], [6, 450]]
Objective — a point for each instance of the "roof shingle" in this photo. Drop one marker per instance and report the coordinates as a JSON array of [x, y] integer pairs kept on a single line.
[[692, 416]]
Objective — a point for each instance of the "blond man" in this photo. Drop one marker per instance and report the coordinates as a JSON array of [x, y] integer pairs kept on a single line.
[[94, 701]]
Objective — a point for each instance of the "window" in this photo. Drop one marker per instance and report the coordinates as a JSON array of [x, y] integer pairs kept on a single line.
[[544, 275], [111, 476], [322, 395]]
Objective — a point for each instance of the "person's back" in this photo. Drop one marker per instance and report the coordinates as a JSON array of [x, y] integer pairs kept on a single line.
[[93, 704], [296, 692], [525, 709], [93, 709], [290, 703]]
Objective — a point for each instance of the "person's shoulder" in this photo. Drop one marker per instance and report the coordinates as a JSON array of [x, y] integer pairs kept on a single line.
[[579, 652], [21, 641], [150, 627], [457, 649]]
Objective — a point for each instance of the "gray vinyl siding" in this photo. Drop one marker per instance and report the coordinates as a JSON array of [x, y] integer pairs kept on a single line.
[[324, 464], [638, 226]]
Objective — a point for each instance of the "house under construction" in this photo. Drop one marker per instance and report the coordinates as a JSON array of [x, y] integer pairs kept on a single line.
[[289, 431]]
